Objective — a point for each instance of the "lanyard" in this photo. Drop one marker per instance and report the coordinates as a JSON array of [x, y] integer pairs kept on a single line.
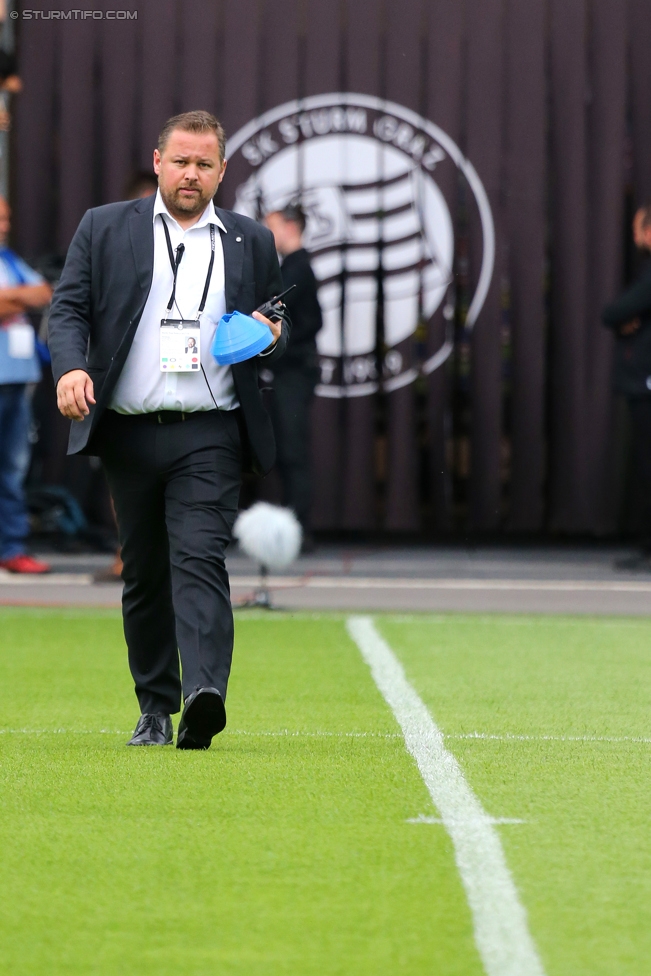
[[175, 266]]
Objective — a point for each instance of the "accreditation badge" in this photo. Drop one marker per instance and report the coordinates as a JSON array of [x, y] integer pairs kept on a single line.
[[180, 345], [21, 341]]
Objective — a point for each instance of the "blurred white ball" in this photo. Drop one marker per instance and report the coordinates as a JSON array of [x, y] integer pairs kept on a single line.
[[269, 534]]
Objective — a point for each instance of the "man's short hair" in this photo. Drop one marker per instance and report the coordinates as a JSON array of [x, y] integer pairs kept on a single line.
[[199, 121], [295, 213]]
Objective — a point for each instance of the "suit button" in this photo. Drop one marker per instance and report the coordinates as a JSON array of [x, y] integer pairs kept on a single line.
[[238, 239]]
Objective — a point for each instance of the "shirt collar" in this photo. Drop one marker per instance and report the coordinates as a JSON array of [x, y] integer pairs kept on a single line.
[[207, 217]]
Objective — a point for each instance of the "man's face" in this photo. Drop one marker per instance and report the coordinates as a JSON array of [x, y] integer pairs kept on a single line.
[[284, 231], [5, 221], [189, 171], [641, 231]]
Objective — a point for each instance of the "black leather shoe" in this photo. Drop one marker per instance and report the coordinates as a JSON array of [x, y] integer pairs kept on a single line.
[[152, 730], [204, 715]]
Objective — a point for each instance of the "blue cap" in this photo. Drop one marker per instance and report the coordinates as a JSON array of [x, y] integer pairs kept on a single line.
[[239, 337]]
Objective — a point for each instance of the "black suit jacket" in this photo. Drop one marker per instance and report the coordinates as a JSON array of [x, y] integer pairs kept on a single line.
[[101, 296], [632, 361]]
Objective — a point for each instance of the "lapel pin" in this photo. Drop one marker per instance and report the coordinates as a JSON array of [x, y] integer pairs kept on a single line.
[[238, 239]]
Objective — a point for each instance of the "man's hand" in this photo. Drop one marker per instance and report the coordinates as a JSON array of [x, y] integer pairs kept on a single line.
[[629, 328], [74, 393], [276, 327], [8, 305], [28, 296], [23, 298]]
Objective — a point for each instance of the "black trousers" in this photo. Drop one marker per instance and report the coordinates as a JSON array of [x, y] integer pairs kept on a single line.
[[640, 414], [293, 390], [175, 488]]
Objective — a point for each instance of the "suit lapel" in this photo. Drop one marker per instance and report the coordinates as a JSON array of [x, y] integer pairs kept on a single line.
[[233, 244], [141, 233]]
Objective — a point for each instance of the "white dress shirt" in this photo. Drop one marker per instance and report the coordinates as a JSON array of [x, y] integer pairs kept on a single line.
[[142, 387]]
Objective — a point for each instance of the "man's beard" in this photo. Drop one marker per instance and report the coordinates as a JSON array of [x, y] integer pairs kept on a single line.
[[184, 206]]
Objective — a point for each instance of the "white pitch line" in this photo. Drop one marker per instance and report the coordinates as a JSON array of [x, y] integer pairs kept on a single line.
[[548, 738], [63, 732], [289, 733], [497, 821], [318, 735], [500, 921], [282, 733]]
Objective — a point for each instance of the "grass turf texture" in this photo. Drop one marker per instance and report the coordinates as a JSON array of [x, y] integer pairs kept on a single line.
[[291, 854]]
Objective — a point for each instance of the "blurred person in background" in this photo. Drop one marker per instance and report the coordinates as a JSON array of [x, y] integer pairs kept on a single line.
[[140, 185], [629, 316], [10, 84], [297, 373], [22, 290]]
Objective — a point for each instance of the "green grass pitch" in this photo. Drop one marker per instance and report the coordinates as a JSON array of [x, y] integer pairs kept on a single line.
[[286, 849]]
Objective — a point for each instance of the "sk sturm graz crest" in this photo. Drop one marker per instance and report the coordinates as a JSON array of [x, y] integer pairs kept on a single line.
[[378, 227]]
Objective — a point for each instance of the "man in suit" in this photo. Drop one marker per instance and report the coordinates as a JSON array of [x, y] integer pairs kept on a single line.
[[297, 374], [172, 443], [629, 316]]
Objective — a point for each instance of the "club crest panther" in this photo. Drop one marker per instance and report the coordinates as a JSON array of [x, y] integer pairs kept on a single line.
[[379, 229]]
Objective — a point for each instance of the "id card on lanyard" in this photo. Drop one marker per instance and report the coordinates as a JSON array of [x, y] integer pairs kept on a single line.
[[180, 339], [180, 345]]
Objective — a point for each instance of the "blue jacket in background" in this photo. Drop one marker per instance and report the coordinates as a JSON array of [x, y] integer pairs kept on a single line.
[[16, 369]]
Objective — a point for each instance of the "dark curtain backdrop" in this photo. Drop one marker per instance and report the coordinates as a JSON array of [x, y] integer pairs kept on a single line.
[[550, 100]]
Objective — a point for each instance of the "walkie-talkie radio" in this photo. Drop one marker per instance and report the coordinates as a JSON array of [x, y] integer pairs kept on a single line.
[[275, 308]]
